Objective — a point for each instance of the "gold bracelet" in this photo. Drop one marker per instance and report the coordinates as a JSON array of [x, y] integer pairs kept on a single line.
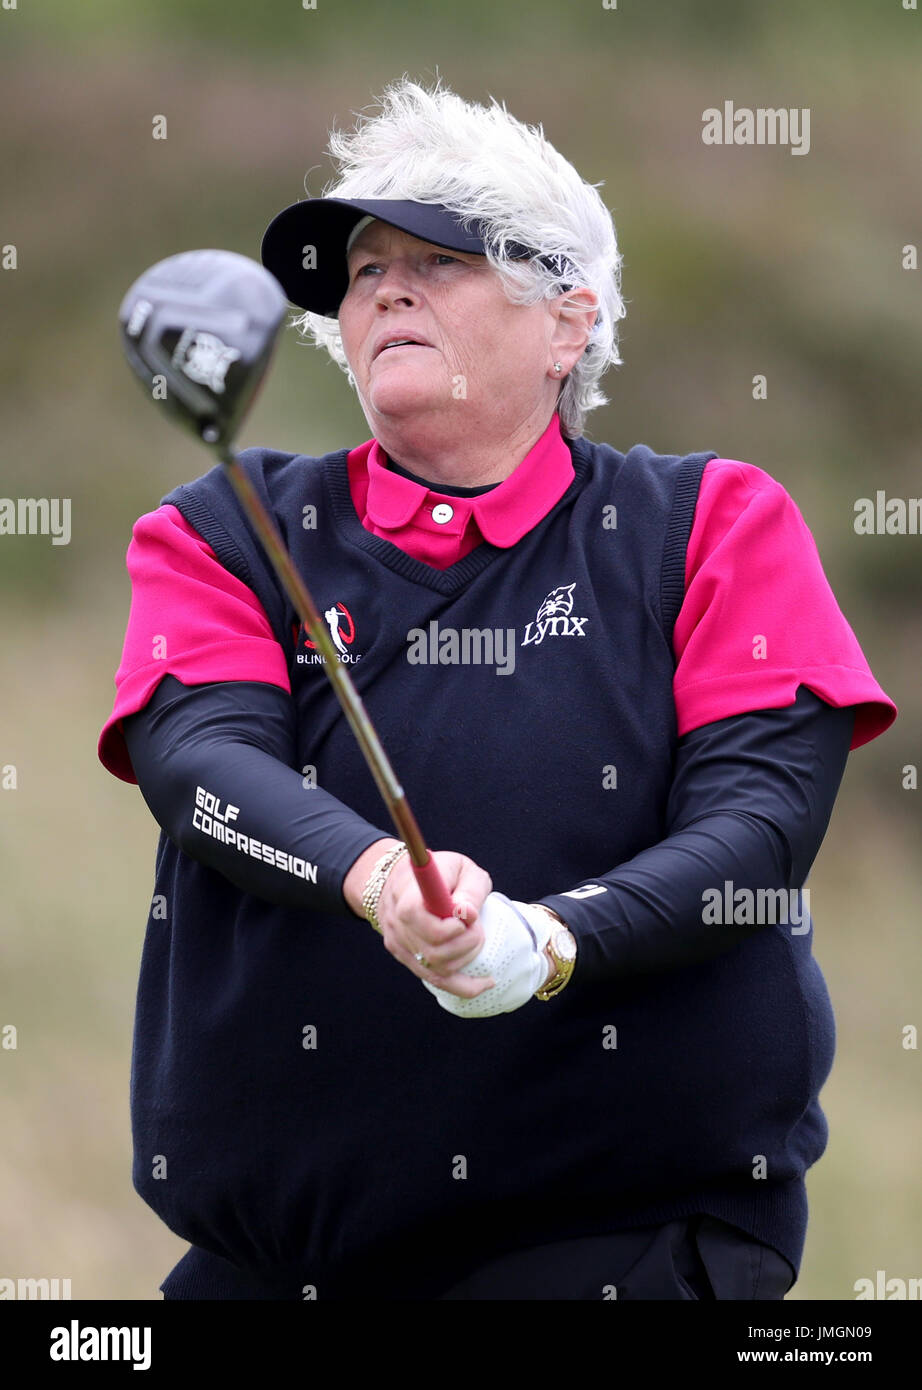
[[562, 949], [375, 885]]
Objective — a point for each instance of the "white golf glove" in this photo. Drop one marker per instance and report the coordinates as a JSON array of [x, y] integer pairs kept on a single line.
[[515, 935]]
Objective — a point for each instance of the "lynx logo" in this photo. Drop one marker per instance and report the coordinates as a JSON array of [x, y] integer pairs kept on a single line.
[[204, 358], [342, 630], [554, 618]]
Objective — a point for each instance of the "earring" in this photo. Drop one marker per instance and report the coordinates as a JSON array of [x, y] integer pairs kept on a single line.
[[557, 366]]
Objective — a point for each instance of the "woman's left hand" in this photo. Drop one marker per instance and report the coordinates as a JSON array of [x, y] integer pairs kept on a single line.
[[513, 954]]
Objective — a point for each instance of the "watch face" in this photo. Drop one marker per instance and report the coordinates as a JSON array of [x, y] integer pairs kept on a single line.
[[564, 943]]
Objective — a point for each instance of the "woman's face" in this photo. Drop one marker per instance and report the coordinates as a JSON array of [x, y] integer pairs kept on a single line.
[[487, 364]]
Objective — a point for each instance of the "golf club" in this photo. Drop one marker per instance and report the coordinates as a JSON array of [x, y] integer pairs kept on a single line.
[[202, 326]]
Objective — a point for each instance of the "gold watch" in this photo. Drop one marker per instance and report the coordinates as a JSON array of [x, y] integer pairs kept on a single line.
[[562, 949]]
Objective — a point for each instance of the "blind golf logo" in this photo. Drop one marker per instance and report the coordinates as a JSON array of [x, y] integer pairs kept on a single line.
[[554, 618], [342, 630]]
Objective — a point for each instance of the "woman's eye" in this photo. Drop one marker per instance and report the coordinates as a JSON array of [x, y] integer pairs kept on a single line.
[[439, 257]]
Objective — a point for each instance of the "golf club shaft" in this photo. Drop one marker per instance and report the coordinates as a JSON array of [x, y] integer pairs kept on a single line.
[[435, 894]]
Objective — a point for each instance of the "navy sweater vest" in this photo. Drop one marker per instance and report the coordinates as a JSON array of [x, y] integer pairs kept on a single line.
[[401, 1132]]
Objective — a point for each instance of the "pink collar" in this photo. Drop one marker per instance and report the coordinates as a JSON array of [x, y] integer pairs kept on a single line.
[[502, 516]]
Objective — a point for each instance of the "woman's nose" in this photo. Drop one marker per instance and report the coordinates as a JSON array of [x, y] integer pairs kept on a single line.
[[396, 282]]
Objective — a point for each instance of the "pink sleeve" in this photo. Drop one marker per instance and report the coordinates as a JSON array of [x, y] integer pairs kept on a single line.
[[189, 618], [759, 618]]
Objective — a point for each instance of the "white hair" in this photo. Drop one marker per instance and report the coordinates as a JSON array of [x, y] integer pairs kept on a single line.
[[431, 146]]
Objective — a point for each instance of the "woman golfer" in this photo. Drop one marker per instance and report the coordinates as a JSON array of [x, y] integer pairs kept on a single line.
[[620, 695]]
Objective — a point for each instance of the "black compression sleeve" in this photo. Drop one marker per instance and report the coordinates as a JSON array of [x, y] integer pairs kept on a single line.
[[235, 741], [749, 805]]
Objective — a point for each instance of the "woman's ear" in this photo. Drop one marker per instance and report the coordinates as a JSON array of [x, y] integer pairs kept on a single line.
[[575, 314]]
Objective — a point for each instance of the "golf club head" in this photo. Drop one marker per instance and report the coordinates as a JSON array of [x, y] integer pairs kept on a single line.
[[199, 329]]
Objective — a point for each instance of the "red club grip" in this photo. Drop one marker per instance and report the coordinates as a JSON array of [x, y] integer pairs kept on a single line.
[[432, 886]]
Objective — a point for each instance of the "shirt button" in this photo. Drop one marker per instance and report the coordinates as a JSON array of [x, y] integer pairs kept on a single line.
[[442, 513]]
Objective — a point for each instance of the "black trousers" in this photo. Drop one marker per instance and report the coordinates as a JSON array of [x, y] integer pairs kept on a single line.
[[697, 1257]]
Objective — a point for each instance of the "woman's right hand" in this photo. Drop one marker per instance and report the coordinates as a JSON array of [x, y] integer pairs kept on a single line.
[[447, 945]]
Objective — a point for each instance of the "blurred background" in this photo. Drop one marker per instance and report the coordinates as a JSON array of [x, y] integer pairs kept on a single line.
[[738, 261]]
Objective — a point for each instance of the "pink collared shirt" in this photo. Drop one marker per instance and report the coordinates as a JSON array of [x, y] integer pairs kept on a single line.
[[441, 529]]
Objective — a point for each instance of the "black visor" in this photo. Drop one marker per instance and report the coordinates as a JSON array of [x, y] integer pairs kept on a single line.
[[305, 245]]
